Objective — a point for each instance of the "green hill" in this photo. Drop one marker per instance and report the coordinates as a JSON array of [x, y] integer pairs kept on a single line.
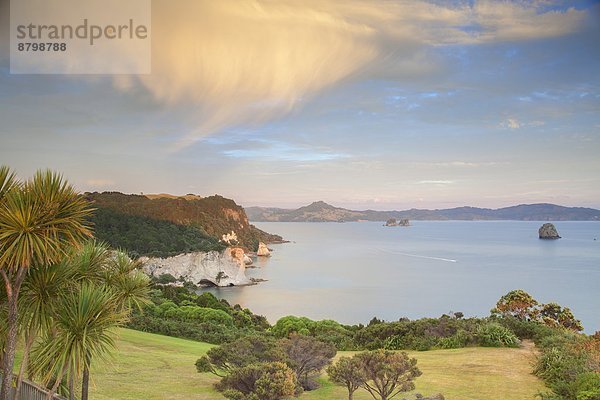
[[167, 225], [150, 366]]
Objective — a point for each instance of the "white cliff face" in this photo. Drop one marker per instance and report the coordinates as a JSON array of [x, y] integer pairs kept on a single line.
[[263, 250], [226, 268], [230, 238]]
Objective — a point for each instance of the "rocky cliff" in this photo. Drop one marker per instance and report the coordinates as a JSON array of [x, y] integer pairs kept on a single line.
[[548, 231], [225, 268], [393, 222]]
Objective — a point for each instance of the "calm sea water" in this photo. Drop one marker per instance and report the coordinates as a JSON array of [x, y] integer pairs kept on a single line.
[[352, 272]]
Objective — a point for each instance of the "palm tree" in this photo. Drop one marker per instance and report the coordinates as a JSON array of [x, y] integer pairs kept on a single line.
[[41, 289], [130, 284], [130, 288], [84, 327], [39, 219], [3, 317]]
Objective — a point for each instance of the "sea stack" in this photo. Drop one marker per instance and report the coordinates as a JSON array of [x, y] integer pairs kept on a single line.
[[394, 222], [548, 231], [263, 250]]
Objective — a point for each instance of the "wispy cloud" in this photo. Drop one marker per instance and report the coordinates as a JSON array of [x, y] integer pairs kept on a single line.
[[435, 182], [511, 123], [263, 149], [233, 63]]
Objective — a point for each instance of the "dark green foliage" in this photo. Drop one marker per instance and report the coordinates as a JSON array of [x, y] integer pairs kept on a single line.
[[493, 334], [461, 338], [387, 373], [569, 364], [241, 364], [587, 386], [165, 278], [210, 216], [421, 334], [307, 356], [262, 381], [253, 349], [202, 332], [327, 331], [347, 372], [145, 236], [525, 329], [177, 312]]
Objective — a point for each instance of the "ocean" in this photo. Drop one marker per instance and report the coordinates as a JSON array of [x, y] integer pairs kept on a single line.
[[352, 272]]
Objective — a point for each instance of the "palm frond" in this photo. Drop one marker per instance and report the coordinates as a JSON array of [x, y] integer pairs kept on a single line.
[[40, 220], [8, 181], [85, 325]]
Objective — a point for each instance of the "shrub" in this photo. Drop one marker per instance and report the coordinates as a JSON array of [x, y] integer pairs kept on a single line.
[[307, 357], [493, 334], [263, 381], [587, 386], [460, 339], [285, 326]]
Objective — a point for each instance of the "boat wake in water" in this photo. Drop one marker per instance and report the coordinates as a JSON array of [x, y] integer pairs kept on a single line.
[[418, 256]]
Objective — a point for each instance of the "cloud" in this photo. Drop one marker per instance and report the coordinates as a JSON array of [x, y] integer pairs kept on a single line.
[[435, 182], [280, 151], [226, 63], [245, 62], [511, 123]]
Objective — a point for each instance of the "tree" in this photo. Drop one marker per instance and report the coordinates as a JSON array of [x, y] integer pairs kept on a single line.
[[262, 381], [554, 315], [388, 373], [84, 327], [518, 304], [224, 359], [290, 324], [45, 288], [96, 263], [39, 219], [41, 289], [347, 372], [522, 306], [307, 357]]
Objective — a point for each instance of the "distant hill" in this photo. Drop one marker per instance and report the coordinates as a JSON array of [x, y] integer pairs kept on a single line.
[[165, 225], [320, 211]]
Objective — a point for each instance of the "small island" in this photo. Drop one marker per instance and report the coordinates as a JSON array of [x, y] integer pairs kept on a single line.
[[394, 222], [548, 231]]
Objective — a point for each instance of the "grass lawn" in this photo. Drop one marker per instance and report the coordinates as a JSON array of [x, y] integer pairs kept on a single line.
[[150, 366]]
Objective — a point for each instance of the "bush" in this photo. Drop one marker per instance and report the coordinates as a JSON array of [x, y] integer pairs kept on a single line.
[[285, 326], [263, 381], [569, 365], [587, 386], [460, 339], [493, 334]]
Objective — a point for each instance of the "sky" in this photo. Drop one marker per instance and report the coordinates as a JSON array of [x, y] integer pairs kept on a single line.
[[363, 104]]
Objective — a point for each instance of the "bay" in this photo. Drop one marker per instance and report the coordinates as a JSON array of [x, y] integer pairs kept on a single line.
[[351, 272]]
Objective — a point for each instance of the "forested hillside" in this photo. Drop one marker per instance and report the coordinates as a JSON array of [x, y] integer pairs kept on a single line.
[[166, 226]]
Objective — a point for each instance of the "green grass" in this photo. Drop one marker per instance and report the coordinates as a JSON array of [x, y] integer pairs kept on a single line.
[[151, 366]]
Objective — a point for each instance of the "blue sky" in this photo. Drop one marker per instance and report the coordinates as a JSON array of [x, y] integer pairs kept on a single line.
[[383, 105]]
